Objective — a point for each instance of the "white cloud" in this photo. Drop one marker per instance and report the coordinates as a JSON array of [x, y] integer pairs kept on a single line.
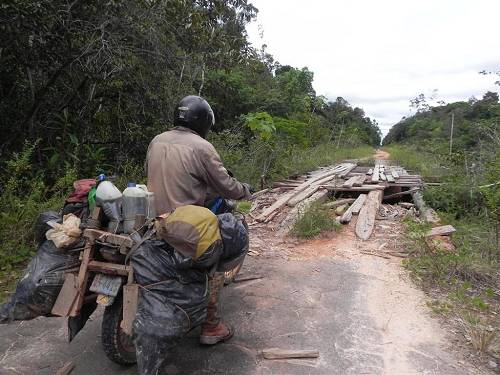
[[380, 54]]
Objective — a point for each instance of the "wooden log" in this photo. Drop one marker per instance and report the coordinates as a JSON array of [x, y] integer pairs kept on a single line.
[[354, 209], [427, 213], [394, 173], [366, 218], [339, 202], [443, 230], [276, 353]]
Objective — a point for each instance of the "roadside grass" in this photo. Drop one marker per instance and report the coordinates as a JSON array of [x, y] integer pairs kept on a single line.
[[313, 221], [261, 163], [19, 212], [427, 164], [463, 285], [244, 206]]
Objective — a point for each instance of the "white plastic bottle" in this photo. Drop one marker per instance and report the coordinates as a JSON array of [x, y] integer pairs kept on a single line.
[[109, 197], [134, 203]]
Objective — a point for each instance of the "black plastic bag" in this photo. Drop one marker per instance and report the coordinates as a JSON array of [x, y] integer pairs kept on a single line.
[[41, 226], [40, 285], [173, 299], [235, 240]]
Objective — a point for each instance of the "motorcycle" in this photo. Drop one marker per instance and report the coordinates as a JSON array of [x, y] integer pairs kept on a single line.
[[106, 278]]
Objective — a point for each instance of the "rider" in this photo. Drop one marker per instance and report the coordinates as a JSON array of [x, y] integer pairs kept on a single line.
[[184, 168]]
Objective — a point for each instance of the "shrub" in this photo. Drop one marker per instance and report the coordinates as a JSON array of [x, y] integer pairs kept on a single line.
[[313, 221]]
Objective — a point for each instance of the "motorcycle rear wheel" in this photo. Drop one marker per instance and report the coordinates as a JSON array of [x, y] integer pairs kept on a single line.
[[117, 345]]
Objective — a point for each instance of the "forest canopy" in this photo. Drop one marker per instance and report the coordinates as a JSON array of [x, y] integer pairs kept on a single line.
[[89, 83]]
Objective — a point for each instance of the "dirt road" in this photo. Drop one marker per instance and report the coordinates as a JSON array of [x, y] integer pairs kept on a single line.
[[359, 310]]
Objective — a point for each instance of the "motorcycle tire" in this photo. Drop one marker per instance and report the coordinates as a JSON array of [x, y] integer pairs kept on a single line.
[[117, 345]]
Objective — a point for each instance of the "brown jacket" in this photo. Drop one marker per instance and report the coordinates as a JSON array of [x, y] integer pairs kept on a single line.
[[183, 168]]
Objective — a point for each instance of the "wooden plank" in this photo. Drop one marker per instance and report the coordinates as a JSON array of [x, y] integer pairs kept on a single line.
[[259, 193], [382, 176], [302, 195], [360, 188], [347, 170], [130, 301], [66, 369], [350, 182], [443, 230], [394, 173], [339, 202], [83, 275], [266, 214], [275, 206], [276, 353], [390, 177], [375, 175], [317, 180], [360, 181], [355, 207], [115, 239], [366, 218], [66, 297], [109, 268]]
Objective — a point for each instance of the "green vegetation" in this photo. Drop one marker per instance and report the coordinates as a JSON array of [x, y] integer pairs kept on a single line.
[[468, 197], [86, 85], [313, 221]]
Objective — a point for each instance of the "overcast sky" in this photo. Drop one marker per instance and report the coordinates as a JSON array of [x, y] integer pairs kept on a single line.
[[379, 54]]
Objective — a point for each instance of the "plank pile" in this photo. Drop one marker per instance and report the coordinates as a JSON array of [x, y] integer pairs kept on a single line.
[[293, 196], [301, 190]]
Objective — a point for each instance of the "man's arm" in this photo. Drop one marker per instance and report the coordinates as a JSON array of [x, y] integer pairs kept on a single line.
[[218, 178]]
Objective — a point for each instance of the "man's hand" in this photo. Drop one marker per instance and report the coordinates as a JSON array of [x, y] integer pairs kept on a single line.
[[249, 188]]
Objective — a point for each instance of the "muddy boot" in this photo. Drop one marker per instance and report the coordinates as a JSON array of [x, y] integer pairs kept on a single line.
[[213, 329]]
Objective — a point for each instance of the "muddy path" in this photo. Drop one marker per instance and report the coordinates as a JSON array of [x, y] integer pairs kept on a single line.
[[334, 293]]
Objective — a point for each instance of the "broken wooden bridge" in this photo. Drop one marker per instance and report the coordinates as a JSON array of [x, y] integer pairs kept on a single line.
[[358, 189]]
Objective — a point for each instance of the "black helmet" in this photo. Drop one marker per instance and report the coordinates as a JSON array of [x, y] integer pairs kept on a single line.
[[194, 113]]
